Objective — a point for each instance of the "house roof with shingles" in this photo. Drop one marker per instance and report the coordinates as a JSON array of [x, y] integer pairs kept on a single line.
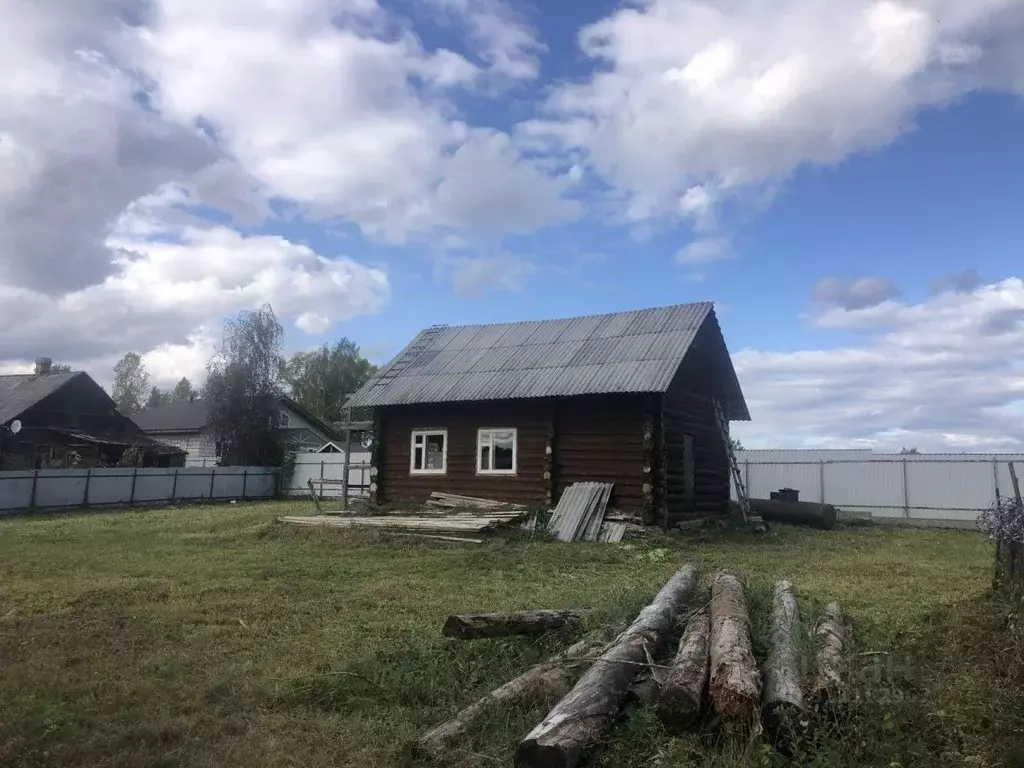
[[623, 352], [19, 392]]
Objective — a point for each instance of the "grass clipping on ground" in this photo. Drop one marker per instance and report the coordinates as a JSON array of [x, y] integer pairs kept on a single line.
[[210, 635]]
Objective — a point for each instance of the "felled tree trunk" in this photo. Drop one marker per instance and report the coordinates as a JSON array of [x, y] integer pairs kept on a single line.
[[547, 680], [783, 703], [831, 637], [577, 721], [682, 690], [474, 625], [735, 683]]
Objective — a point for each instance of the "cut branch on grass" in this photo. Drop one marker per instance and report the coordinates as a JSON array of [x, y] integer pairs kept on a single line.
[[476, 625], [735, 682], [547, 680], [578, 720]]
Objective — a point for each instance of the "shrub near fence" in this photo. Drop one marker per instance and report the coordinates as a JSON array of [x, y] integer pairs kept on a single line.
[[50, 489]]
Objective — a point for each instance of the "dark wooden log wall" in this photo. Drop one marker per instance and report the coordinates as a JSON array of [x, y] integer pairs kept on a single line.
[[591, 438], [600, 439], [532, 419], [688, 409]]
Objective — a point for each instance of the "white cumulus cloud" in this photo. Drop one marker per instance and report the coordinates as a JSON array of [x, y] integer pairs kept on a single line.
[[693, 98]]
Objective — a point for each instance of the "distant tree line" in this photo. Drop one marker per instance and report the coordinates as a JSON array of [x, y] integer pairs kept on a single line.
[[244, 380]]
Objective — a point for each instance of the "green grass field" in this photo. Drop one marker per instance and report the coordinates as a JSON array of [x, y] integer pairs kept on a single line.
[[212, 636]]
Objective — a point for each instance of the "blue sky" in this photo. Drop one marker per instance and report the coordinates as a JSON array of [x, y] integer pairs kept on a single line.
[[842, 182]]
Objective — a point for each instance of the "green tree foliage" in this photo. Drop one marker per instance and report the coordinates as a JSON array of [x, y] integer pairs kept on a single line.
[[183, 391], [131, 384], [157, 398], [909, 451], [736, 444], [243, 387], [324, 379]]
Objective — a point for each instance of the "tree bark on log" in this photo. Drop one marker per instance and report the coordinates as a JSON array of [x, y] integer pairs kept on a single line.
[[547, 680], [735, 682], [783, 701], [476, 625], [682, 690], [831, 637], [577, 721]]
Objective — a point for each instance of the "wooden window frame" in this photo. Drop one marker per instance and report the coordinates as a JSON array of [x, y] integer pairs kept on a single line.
[[515, 451], [425, 433]]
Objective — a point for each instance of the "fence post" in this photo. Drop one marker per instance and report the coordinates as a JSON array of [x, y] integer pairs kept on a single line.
[[821, 479], [995, 478], [135, 474], [245, 481], [85, 496], [906, 491], [344, 477], [174, 486], [35, 482], [213, 473]]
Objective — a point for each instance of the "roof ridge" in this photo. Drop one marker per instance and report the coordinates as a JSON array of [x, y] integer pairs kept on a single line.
[[571, 317]]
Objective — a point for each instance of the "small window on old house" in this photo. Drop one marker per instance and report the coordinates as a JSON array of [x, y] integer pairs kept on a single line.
[[496, 451], [429, 452]]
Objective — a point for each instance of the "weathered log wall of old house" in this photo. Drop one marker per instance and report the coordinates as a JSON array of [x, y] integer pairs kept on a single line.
[[692, 440], [591, 438]]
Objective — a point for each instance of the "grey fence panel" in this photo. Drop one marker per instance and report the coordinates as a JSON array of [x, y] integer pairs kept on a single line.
[[153, 487], [875, 487], [60, 487], [944, 492], [193, 483], [937, 488], [69, 488], [16, 490], [108, 487]]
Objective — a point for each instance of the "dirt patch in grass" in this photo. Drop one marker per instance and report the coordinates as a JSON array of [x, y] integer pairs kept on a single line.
[[211, 635]]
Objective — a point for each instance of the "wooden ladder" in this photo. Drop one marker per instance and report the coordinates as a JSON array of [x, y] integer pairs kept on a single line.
[[749, 515]]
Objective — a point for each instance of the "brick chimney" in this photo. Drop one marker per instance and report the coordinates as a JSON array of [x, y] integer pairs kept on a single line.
[[43, 365]]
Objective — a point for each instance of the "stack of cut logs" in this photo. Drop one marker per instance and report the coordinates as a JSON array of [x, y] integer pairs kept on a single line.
[[713, 671]]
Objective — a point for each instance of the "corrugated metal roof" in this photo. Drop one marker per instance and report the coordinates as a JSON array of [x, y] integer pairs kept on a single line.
[[623, 352], [19, 392]]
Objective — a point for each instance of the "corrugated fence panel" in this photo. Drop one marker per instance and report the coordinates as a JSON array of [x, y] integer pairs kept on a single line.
[[51, 489], [874, 487], [947, 491], [936, 487]]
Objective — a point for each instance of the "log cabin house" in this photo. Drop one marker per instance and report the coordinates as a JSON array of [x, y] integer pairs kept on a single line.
[[66, 420], [519, 411]]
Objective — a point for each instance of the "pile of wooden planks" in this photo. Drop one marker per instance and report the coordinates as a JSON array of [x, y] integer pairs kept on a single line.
[[455, 501], [467, 522]]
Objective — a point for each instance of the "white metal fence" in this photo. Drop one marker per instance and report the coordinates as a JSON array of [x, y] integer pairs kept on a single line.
[[51, 489], [937, 488], [326, 470]]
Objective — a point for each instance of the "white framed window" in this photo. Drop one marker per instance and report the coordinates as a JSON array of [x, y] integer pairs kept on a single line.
[[429, 454], [496, 451]]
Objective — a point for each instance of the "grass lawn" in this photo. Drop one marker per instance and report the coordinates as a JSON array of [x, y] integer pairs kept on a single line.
[[212, 636]]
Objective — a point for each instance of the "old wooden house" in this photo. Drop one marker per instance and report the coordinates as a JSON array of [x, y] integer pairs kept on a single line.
[[67, 420], [519, 411]]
